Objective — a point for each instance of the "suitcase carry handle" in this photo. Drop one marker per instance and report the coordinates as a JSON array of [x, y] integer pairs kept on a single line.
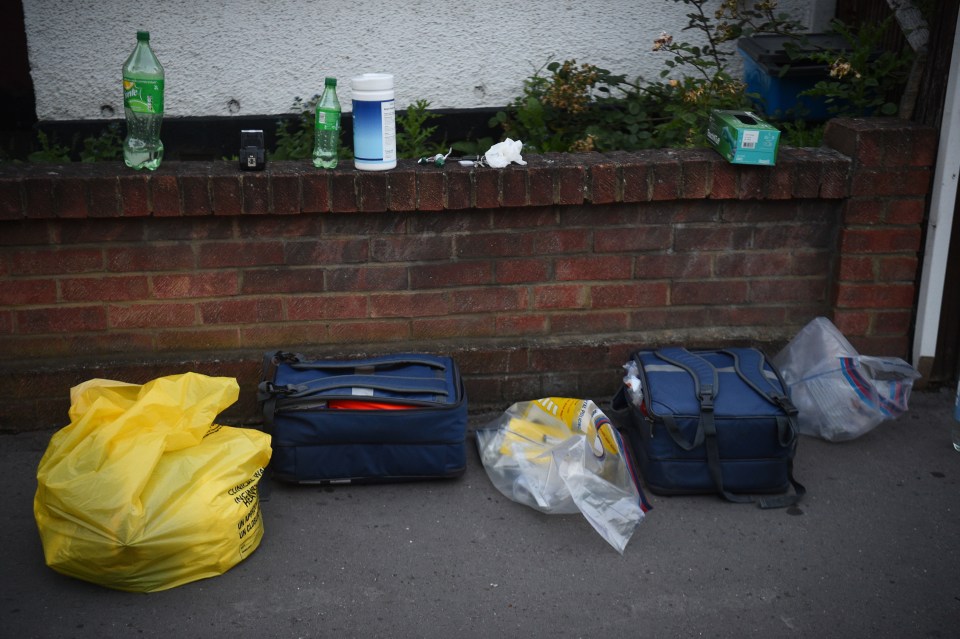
[[301, 363], [410, 385], [705, 381]]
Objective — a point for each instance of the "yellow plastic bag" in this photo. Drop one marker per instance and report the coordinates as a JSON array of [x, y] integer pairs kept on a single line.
[[143, 492]]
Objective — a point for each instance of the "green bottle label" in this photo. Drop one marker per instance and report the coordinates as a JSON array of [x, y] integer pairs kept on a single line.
[[143, 96], [328, 120]]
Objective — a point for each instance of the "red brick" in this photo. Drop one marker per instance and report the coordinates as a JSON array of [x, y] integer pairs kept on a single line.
[[882, 296], [915, 181], [412, 304], [243, 253], [636, 181], [642, 238], [327, 251], [152, 315], [562, 242], [61, 319], [709, 292], [487, 185], [316, 191], [486, 300], [880, 240], [541, 177], [429, 189], [104, 195], [514, 186], [268, 336], [570, 184], [495, 245], [519, 271], [378, 278], [198, 339], [453, 328], [673, 266], [898, 268], [71, 197], [164, 194], [753, 264], [753, 182], [666, 179], [39, 197], [603, 180], [283, 280], [373, 191], [241, 311], [11, 203], [107, 289], [409, 248], [852, 322], [189, 285], [343, 192], [723, 181], [558, 296], [284, 189], [700, 238], [696, 167], [326, 307], [255, 187], [521, 324], [897, 322], [194, 187], [853, 269], [53, 261], [458, 188], [788, 235], [367, 332], [450, 274], [149, 257], [27, 292], [402, 190], [864, 210], [589, 322], [835, 178], [632, 295], [906, 211], [134, 195], [602, 267], [788, 290]]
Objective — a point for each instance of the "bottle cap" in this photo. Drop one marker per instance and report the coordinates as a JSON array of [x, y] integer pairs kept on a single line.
[[143, 36], [330, 82], [372, 82]]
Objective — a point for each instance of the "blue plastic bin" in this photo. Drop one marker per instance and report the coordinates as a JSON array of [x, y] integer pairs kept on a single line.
[[764, 59]]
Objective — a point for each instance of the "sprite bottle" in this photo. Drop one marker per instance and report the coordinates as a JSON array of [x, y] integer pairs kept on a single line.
[[143, 106], [326, 142]]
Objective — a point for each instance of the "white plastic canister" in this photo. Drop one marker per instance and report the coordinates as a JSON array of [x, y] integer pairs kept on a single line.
[[374, 122]]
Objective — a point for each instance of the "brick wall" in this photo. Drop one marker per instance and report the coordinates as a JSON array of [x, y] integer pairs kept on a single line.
[[539, 279]]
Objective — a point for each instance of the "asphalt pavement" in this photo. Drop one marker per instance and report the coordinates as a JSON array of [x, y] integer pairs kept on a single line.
[[873, 550]]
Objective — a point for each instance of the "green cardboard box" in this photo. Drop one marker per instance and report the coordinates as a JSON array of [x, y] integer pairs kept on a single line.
[[743, 138]]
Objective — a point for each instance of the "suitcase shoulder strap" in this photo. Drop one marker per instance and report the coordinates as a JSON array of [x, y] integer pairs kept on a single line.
[[706, 383], [706, 386]]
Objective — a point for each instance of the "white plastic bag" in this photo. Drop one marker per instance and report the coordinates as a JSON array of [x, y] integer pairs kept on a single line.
[[840, 394], [562, 456], [503, 153]]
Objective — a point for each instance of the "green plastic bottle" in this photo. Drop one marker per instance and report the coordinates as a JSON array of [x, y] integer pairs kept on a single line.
[[326, 144], [143, 106]]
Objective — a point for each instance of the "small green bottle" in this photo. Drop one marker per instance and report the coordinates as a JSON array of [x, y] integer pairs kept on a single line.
[[143, 106], [326, 143]]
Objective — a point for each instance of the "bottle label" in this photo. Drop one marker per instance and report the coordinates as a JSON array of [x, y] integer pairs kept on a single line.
[[143, 96], [328, 120]]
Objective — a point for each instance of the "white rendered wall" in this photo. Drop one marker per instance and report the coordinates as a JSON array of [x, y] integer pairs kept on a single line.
[[251, 57]]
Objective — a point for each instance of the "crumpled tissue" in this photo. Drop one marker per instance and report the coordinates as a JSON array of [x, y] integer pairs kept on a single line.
[[503, 153]]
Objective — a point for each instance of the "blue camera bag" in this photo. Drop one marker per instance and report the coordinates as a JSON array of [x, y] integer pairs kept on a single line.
[[713, 421], [387, 418]]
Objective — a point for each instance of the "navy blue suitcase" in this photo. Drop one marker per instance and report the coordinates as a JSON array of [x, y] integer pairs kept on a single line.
[[717, 421], [387, 418]]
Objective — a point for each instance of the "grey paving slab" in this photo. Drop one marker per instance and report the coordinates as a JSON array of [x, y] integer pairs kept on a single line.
[[872, 551]]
